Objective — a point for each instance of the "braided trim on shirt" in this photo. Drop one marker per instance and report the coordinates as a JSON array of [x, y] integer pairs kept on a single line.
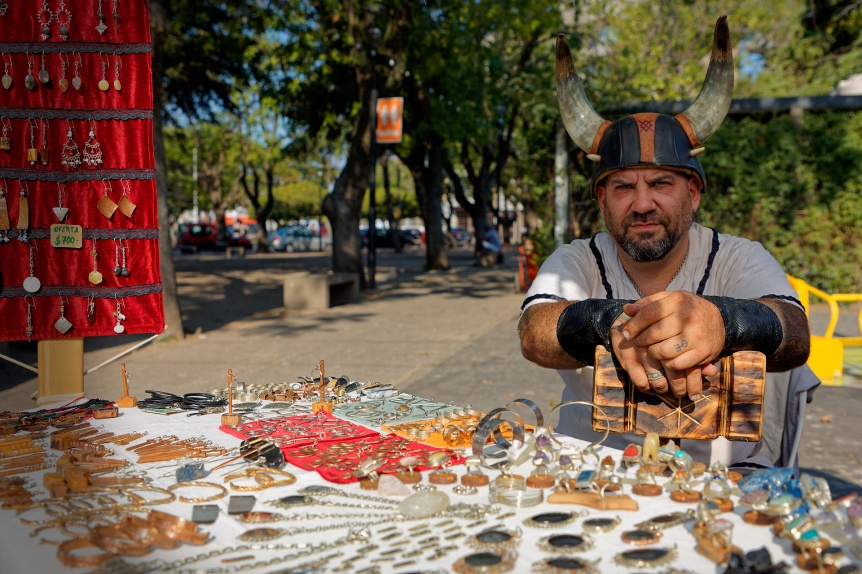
[[784, 298], [532, 298], [709, 262], [609, 291]]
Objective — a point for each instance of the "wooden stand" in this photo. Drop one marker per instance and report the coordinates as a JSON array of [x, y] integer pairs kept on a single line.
[[126, 402], [230, 419], [61, 369], [594, 500]]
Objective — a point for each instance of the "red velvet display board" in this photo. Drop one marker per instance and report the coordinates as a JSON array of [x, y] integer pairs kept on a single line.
[[45, 116]]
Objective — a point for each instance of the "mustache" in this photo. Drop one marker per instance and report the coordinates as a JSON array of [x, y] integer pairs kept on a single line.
[[645, 218]]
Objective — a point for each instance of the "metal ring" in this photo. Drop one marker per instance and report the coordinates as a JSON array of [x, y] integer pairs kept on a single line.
[[498, 436], [540, 418], [653, 376], [589, 404], [484, 430]]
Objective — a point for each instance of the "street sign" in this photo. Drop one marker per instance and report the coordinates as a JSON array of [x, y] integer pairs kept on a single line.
[[389, 119]]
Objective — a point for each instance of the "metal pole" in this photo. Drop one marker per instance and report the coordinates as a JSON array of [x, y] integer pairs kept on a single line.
[[372, 183], [195, 185], [322, 174]]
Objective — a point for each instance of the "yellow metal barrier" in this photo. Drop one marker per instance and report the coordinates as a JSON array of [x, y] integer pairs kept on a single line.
[[827, 350]]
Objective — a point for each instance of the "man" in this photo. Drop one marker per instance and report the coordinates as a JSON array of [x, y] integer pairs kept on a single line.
[[667, 296]]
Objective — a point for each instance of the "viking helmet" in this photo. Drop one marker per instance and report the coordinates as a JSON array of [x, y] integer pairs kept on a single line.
[[647, 139]]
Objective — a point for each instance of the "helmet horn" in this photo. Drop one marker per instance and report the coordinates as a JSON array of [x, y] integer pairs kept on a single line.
[[708, 110], [581, 120]]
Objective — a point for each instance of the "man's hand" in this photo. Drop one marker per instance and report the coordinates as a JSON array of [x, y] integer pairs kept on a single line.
[[671, 340]]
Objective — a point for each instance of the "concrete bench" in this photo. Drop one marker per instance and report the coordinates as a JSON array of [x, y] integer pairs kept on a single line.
[[306, 290]]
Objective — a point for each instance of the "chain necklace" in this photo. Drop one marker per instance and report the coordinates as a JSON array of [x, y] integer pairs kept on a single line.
[[635, 285]]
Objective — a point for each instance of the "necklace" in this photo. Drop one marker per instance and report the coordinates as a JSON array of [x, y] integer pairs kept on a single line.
[[635, 285]]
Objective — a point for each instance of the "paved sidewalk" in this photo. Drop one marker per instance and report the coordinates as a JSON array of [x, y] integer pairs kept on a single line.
[[450, 335]]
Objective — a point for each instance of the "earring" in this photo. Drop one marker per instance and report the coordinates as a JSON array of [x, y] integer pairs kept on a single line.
[[64, 64], [44, 76], [124, 270], [29, 80], [92, 150], [44, 153], [71, 155], [118, 328], [116, 14], [6, 79], [62, 324], [32, 284], [5, 140], [106, 205], [103, 83], [23, 224], [30, 307], [4, 214], [117, 269], [127, 208], [91, 310], [100, 27], [60, 211], [32, 152], [95, 277], [76, 81], [118, 63], [64, 19], [44, 16]]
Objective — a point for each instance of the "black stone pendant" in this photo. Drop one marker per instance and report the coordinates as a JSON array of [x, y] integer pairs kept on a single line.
[[493, 537], [483, 559], [566, 541]]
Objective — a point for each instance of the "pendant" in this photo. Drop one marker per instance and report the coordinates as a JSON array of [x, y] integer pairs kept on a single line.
[[30, 82], [101, 28], [5, 143], [118, 86], [564, 565], [666, 520], [551, 519], [496, 540], [127, 208], [566, 543], [63, 325], [60, 213], [7, 81], [94, 277], [645, 557], [64, 85], [45, 155], [44, 77], [640, 537], [76, 83], [91, 313], [32, 284], [490, 562], [104, 85], [106, 207], [119, 329], [600, 524], [32, 155], [261, 534]]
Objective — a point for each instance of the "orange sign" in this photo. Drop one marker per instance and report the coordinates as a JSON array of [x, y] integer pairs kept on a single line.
[[389, 119]]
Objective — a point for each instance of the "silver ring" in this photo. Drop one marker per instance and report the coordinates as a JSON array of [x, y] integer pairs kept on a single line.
[[654, 375]]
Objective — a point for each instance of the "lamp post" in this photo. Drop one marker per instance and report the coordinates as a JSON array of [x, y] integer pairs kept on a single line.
[[320, 173], [375, 34]]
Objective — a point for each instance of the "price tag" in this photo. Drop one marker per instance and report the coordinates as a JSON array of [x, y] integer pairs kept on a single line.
[[66, 236]]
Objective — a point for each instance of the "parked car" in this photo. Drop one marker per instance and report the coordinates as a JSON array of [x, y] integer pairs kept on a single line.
[[291, 239], [384, 238], [194, 237], [459, 237]]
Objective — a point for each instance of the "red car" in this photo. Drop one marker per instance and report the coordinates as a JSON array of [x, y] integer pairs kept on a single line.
[[194, 237]]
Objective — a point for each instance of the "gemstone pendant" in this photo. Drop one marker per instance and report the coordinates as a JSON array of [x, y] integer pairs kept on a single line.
[[7, 81], [101, 28], [64, 85], [32, 284], [44, 77], [30, 82], [61, 212], [117, 85], [76, 83], [94, 277], [104, 85], [119, 329], [63, 325]]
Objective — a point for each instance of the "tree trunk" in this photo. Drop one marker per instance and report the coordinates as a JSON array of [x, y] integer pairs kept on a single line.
[[429, 191], [390, 213], [173, 314]]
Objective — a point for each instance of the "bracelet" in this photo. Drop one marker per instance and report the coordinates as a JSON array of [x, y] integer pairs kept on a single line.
[[221, 494], [116, 541], [748, 325], [585, 324], [64, 553]]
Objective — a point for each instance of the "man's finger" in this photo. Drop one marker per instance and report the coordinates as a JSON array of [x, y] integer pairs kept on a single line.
[[694, 383], [676, 380], [655, 375]]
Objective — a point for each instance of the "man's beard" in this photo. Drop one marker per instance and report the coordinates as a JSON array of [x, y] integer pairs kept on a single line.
[[650, 248]]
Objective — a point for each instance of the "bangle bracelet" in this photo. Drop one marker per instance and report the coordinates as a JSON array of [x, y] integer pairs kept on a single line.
[[221, 494], [114, 540], [64, 553]]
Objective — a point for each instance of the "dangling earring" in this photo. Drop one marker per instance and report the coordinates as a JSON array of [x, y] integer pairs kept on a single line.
[[29, 80], [103, 83], [4, 214], [7, 79], [118, 63], [5, 140], [23, 224], [76, 81], [106, 205], [62, 324], [91, 310], [95, 277], [44, 16], [64, 19], [30, 307], [60, 211], [44, 153], [32, 284], [71, 155], [127, 208], [100, 27], [32, 152], [117, 269], [118, 328], [44, 76], [124, 270], [64, 64], [92, 150]]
